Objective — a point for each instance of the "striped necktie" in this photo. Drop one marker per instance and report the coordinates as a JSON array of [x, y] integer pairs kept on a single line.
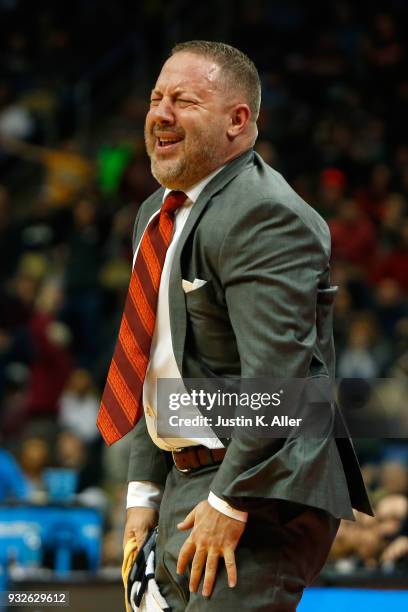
[[122, 400]]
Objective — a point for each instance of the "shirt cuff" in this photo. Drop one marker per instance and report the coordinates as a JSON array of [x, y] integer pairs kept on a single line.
[[144, 494], [224, 507]]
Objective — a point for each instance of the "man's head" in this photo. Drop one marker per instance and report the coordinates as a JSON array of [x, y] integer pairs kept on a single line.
[[391, 512], [203, 112]]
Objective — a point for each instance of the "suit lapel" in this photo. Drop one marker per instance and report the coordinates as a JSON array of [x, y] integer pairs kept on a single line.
[[150, 206], [177, 306]]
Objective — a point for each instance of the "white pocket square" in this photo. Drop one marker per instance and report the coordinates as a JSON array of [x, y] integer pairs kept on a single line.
[[196, 284]]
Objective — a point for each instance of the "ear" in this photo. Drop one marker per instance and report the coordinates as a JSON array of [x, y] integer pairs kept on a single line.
[[239, 118]]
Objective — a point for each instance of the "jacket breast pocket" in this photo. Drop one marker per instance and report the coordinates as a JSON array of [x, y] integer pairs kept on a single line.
[[200, 303]]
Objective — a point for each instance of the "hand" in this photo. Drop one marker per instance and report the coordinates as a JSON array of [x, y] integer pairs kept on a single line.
[[397, 549], [139, 521], [213, 535]]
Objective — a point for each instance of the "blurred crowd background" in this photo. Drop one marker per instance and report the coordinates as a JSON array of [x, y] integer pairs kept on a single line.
[[74, 85]]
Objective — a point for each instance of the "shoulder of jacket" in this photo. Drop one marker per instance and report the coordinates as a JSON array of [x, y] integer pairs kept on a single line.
[[259, 186]]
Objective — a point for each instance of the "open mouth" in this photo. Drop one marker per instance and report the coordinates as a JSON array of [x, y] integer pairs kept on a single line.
[[167, 142]]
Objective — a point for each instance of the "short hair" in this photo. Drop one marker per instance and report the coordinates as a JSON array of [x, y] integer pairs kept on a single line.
[[240, 72]]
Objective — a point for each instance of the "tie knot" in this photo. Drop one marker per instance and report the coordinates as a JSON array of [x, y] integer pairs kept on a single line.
[[173, 201]]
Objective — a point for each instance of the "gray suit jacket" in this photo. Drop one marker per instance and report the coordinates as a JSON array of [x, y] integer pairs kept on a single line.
[[265, 311]]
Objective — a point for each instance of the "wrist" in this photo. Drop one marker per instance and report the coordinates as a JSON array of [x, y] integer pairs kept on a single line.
[[142, 510], [225, 508], [144, 494]]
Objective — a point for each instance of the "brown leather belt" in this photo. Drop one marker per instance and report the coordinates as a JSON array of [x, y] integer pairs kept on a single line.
[[196, 457]]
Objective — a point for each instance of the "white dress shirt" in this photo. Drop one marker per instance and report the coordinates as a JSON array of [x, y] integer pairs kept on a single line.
[[163, 364]]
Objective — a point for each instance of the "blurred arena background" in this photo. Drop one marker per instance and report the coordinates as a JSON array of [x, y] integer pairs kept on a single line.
[[74, 83]]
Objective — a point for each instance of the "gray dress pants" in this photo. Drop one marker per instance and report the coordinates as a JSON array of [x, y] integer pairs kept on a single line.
[[282, 550]]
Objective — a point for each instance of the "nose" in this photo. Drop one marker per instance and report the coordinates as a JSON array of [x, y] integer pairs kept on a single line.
[[163, 112]]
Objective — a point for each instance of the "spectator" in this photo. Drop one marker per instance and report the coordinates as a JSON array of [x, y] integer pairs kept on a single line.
[[353, 236], [15, 120], [82, 294], [332, 185], [79, 406], [13, 407], [392, 216], [72, 453], [67, 171], [8, 237], [393, 477], [391, 512], [13, 484], [390, 305], [394, 265], [34, 457], [365, 354], [52, 360]]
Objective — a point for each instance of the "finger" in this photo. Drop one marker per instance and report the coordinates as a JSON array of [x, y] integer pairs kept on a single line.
[[188, 522], [197, 569], [395, 551], [186, 553], [389, 556], [391, 553], [210, 573], [138, 534], [129, 533], [231, 567]]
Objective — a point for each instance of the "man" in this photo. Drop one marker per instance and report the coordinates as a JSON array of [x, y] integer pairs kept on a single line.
[[244, 291]]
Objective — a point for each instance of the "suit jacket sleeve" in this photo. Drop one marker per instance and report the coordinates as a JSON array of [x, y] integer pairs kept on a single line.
[[270, 264], [146, 460]]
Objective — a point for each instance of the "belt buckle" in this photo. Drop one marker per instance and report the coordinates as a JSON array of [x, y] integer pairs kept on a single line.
[[183, 470]]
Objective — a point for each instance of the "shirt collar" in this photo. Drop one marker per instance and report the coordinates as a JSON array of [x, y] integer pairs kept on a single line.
[[194, 192]]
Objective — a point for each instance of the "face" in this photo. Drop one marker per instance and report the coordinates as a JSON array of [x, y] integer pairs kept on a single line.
[[391, 512], [186, 130]]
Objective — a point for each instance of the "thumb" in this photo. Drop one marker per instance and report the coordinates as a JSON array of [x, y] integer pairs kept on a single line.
[[188, 522]]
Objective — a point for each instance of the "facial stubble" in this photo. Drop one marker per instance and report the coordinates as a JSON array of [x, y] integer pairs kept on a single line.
[[201, 156]]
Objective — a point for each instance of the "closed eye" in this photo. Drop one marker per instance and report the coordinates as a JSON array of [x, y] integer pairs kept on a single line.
[[184, 101]]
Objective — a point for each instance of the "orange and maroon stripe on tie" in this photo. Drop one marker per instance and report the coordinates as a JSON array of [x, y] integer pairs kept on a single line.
[[121, 405]]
